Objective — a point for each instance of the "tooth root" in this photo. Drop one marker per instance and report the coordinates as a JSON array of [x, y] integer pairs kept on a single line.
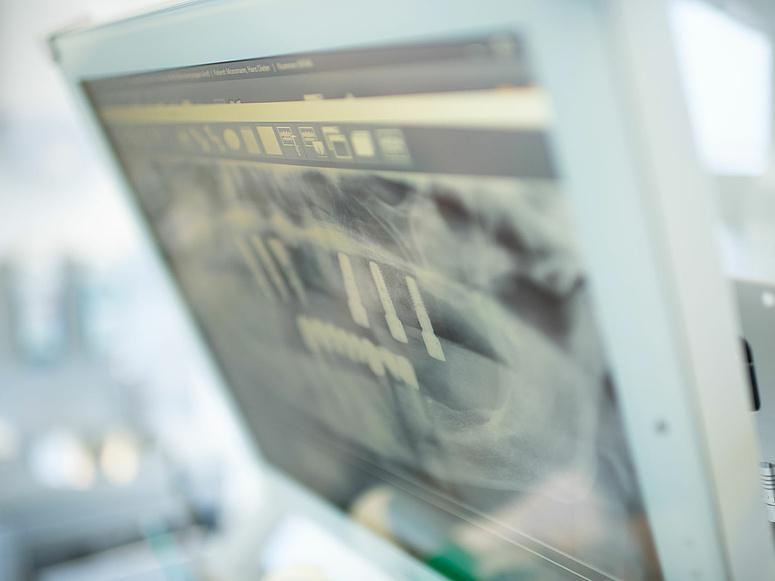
[[432, 343], [357, 310], [397, 329], [284, 259], [395, 326], [255, 268], [433, 346], [271, 267]]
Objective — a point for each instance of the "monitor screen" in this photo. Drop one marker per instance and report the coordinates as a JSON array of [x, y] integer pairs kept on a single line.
[[378, 250]]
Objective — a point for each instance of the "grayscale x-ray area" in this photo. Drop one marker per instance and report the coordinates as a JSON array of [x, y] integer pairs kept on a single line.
[[416, 300]]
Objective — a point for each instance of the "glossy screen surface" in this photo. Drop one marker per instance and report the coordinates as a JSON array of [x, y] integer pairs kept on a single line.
[[377, 247]]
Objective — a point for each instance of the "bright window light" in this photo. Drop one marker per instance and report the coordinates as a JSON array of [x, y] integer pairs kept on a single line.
[[300, 549], [727, 75], [61, 459], [120, 457]]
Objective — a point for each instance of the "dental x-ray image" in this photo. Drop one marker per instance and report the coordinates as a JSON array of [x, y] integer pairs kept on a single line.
[[438, 327], [386, 271]]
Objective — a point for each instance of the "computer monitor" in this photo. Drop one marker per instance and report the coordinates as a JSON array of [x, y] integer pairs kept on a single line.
[[438, 252]]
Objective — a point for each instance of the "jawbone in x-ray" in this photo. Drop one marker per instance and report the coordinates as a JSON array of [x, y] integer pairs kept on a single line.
[[440, 322]]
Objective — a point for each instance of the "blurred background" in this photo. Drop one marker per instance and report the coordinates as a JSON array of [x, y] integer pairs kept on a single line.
[[111, 435], [118, 455]]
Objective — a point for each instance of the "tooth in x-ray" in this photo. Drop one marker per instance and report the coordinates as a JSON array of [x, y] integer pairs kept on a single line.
[[255, 268], [393, 322], [357, 310], [271, 267], [284, 259], [432, 343]]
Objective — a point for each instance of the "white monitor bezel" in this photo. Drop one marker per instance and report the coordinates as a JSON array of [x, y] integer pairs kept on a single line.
[[640, 200]]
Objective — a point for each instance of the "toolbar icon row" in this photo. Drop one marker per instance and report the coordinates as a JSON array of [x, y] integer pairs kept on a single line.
[[324, 143]]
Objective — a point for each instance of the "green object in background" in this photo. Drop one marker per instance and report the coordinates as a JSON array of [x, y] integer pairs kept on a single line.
[[454, 563], [458, 565]]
